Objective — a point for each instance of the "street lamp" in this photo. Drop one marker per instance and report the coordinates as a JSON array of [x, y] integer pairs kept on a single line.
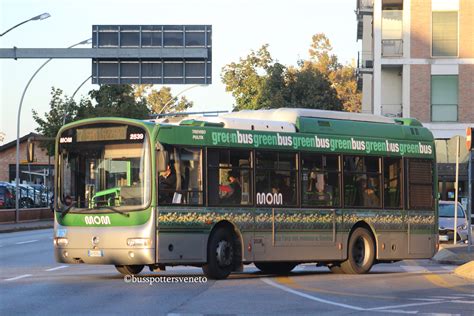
[[35, 18], [17, 175], [72, 99], [181, 92]]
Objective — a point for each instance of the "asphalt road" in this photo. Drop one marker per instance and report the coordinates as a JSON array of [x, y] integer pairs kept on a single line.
[[31, 282]]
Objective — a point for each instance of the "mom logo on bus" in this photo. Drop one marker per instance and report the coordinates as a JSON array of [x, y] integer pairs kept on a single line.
[[97, 220], [269, 199]]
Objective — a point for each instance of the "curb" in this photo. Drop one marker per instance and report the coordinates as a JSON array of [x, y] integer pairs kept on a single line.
[[25, 228]]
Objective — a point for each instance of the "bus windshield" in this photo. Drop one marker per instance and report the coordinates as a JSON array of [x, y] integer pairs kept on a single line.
[[105, 166]]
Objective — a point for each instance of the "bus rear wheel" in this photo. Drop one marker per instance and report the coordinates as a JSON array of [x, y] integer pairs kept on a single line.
[[220, 255], [275, 267], [130, 270], [336, 268], [361, 252]]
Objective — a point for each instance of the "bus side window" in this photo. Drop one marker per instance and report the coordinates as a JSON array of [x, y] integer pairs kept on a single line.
[[229, 177]]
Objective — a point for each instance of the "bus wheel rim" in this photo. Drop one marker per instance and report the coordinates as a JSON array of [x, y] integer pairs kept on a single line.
[[359, 251], [224, 253]]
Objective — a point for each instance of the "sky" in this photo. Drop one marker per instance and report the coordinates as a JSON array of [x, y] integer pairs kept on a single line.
[[238, 27]]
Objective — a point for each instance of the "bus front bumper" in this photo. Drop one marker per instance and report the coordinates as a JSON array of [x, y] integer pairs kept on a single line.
[[139, 256]]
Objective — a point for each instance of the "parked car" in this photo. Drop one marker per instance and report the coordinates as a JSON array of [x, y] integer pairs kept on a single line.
[[446, 222], [7, 196]]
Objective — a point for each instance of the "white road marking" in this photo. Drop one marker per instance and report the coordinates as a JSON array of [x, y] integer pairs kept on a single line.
[[403, 305], [387, 309], [313, 298], [462, 302], [56, 268], [26, 242], [19, 277], [448, 297]]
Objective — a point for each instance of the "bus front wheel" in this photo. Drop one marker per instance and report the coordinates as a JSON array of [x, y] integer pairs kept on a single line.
[[220, 255], [361, 252], [130, 270], [275, 267]]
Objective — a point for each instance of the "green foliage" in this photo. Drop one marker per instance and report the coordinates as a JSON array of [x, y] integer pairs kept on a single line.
[[115, 100], [108, 100], [62, 108], [342, 77], [256, 82], [245, 79]]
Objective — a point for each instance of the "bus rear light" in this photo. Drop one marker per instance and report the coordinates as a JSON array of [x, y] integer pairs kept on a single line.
[[138, 242], [61, 241]]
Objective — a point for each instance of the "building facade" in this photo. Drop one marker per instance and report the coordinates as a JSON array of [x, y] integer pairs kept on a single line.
[[417, 60], [40, 171]]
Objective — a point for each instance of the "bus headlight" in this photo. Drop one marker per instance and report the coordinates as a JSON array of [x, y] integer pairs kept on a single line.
[[138, 242], [61, 241]]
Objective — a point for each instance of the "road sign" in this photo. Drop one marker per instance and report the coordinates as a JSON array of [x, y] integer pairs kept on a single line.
[[469, 140], [186, 54]]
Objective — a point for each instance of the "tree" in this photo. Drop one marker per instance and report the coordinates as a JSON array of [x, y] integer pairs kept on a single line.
[[342, 77], [246, 79], [310, 89], [61, 107], [115, 100], [108, 100], [162, 101], [257, 82]]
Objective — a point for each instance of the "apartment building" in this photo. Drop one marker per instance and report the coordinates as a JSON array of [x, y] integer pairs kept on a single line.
[[417, 60]]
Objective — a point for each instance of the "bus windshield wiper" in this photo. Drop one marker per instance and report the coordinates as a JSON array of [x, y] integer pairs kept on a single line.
[[114, 209], [66, 210]]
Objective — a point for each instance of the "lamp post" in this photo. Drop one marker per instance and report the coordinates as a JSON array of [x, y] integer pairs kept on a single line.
[[181, 92], [35, 18], [17, 174], [72, 99]]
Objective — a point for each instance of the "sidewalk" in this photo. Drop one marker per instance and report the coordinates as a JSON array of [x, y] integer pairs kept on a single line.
[[458, 255], [22, 226]]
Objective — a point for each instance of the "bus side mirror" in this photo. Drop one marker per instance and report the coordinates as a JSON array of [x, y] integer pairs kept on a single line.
[[163, 159], [30, 151]]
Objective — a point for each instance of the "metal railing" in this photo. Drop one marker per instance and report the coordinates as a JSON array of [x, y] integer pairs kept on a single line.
[[365, 6], [392, 48], [392, 110]]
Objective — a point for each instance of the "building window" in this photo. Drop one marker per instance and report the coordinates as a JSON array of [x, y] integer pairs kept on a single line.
[[444, 98], [445, 34]]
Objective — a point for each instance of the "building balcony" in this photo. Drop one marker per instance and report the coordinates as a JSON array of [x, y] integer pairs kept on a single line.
[[365, 7], [392, 48]]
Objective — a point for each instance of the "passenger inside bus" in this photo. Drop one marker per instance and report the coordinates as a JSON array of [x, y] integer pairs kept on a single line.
[[321, 192], [233, 192], [369, 196], [167, 183]]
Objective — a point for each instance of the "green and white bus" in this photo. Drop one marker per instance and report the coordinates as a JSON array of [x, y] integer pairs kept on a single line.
[[271, 187]]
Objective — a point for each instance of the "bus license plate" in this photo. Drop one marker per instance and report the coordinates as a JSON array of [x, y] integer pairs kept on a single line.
[[95, 253], [443, 238]]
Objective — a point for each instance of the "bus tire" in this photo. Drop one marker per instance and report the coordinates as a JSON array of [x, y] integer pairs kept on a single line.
[[336, 268], [130, 270], [220, 255], [275, 267], [360, 252]]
